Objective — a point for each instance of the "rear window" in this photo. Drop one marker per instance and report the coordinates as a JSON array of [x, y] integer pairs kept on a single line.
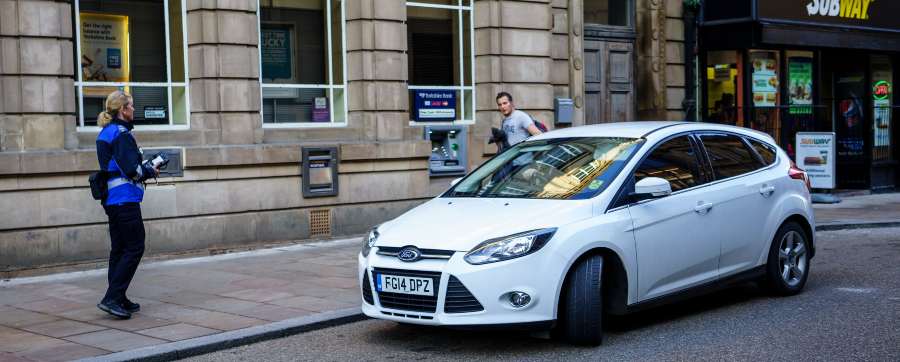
[[729, 155], [765, 151]]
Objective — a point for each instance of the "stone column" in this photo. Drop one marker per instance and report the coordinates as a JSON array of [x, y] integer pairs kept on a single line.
[[514, 52], [223, 39], [377, 71], [651, 59], [37, 93], [675, 82]]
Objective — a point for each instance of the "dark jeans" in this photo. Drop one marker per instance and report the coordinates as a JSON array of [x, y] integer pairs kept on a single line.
[[126, 233]]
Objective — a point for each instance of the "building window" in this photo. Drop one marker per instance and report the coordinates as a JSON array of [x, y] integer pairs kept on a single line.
[[302, 72], [440, 53], [137, 46], [608, 12]]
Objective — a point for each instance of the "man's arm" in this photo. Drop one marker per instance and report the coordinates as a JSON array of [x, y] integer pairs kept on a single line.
[[533, 130]]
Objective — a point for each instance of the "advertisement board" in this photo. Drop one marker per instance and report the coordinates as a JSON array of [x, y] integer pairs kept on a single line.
[[434, 105], [765, 78], [104, 50], [816, 155], [276, 51]]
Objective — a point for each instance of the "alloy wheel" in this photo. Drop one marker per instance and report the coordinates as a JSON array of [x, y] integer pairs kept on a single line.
[[792, 258]]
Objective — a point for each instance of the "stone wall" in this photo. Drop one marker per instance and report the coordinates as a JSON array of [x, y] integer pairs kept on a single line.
[[241, 182], [37, 99]]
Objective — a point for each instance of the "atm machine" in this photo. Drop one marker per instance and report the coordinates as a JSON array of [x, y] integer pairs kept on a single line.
[[448, 150]]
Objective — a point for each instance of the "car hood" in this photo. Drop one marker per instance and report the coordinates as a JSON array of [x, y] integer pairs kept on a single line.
[[462, 223]]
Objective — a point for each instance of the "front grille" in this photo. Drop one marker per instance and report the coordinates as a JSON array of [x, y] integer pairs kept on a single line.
[[415, 303], [367, 289], [459, 299], [426, 253]]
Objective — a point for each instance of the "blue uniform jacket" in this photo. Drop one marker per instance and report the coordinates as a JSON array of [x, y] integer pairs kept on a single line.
[[119, 156]]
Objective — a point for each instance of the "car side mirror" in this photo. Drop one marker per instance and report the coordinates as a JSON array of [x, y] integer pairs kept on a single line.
[[455, 181], [651, 188]]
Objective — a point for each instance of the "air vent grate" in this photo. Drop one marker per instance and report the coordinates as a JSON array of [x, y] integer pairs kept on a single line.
[[319, 223]]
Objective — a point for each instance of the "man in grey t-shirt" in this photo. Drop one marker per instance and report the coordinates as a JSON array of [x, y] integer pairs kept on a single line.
[[517, 124]]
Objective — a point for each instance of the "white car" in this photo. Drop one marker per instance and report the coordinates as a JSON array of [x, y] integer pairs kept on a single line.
[[576, 223]]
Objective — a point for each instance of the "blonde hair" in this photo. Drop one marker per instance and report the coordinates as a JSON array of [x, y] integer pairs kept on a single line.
[[114, 103]]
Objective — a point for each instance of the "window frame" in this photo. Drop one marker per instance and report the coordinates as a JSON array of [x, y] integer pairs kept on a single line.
[[631, 16], [702, 177], [713, 174], [168, 84], [329, 87], [461, 87]]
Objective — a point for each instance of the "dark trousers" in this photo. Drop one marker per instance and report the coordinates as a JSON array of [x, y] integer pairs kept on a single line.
[[126, 233]]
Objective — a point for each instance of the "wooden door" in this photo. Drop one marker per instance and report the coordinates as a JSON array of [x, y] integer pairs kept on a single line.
[[608, 81]]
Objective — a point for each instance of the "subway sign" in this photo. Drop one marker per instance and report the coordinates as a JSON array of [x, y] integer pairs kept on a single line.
[[873, 14]]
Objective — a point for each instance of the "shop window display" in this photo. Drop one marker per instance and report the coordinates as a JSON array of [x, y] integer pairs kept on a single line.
[[137, 46], [882, 107], [302, 62], [722, 79]]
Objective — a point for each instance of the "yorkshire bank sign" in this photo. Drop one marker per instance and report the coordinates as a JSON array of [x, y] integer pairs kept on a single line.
[[850, 9]]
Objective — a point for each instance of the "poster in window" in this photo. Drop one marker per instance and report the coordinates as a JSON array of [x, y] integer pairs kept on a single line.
[[764, 79], [277, 51], [800, 82], [104, 49]]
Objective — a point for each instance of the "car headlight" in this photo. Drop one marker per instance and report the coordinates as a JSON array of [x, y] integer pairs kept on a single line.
[[509, 247], [369, 241]]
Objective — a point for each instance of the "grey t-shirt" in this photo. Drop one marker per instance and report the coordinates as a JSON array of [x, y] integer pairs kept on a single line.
[[516, 127]]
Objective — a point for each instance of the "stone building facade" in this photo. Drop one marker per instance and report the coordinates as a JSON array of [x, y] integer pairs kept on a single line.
[[241, 181]]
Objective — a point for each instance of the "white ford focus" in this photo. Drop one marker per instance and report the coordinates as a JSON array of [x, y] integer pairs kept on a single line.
[[576, 223]]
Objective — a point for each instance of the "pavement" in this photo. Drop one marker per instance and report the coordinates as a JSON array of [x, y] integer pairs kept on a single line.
[[199, 305]]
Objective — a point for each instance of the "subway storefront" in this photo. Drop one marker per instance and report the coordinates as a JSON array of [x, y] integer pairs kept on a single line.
[[788, 66]]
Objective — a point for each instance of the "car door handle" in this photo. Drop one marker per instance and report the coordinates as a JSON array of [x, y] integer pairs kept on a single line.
[[766, 191], [702, 208]]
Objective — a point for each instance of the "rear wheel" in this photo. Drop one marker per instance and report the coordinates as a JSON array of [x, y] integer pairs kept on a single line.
[[788, 265], [581, 312]]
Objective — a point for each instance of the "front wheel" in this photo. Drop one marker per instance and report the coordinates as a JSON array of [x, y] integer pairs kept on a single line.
[[581, 312], [788, 265]]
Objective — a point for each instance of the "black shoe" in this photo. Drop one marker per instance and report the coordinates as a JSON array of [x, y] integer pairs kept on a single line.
[[130, 306], [115, 310]]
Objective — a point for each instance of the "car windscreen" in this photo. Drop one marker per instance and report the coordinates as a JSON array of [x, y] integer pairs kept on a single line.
[[559, 168]]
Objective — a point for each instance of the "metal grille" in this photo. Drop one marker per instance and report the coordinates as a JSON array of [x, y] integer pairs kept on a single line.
[[367, 290], [409, 302], [320, 222], [459, 299]]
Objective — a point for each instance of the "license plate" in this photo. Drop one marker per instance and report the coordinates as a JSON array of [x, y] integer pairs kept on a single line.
[[404, 285]]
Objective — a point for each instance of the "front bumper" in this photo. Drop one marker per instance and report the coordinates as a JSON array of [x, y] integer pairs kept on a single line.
[[489, 285]]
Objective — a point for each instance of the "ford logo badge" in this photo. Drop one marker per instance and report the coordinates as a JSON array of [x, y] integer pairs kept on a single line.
[[409, 254]]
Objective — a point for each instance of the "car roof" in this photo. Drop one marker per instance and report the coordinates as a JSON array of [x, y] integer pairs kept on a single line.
[[645, 128]]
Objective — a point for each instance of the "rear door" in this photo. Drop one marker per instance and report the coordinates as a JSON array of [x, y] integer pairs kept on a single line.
[[742, 198], [674, 250]]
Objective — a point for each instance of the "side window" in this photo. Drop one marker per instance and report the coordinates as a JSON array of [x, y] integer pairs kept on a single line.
[[765, 151], [674, 161], [729, 155]]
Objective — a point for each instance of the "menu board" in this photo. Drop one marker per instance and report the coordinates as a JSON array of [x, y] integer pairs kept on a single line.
[[764, 79]]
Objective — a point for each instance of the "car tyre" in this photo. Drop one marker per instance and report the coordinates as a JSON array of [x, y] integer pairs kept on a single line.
[[581, 315], [788, 264]]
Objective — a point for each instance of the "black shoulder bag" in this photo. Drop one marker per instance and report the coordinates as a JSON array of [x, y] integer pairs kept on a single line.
[[98, 179]]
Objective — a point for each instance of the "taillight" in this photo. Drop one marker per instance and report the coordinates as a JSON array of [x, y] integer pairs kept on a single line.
[[797, 173]]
